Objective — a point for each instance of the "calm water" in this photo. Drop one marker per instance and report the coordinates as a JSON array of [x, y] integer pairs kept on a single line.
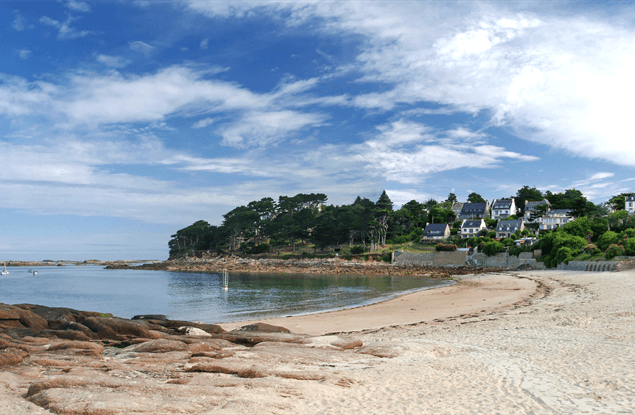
[[198, 296]]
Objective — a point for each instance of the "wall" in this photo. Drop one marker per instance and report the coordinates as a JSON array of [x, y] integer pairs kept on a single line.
[[461, 258], [597, 266]]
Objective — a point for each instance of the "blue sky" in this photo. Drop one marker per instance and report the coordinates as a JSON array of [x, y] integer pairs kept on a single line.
[[122, 122]]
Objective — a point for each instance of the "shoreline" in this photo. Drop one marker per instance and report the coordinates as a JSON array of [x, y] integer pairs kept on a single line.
[[470, 295]]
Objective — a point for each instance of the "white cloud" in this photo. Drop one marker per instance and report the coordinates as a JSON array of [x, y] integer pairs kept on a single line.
[[203, 123], [65, 31], [204, 43], [78, 6], [141, 47], [18, 22], [24, 53], [113, 61], [555, 78]]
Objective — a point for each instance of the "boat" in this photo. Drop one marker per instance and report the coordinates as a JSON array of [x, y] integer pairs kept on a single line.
[[5, 272], [34, 272]]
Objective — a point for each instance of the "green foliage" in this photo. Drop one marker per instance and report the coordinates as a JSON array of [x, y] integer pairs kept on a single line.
[[527, 193], [387, 257], [508, 242], [484, 232], [493, 248], [619, 202], [599, 226], [451, 198], [491, 235], [475, 198], [384, 202], [614, 250], [446, 247], [629, 246], [552, 247], [491, 223], [607, 239], [579, 227]]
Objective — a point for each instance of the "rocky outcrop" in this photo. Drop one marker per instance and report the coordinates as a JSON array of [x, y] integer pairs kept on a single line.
[[79, 363]]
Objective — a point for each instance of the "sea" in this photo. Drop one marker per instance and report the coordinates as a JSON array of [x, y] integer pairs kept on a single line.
[[200, 296]]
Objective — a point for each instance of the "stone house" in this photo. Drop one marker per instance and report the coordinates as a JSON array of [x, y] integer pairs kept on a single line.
[[472, 211], [469, 228], [436, 231], [506, 228], [503, 208], [556, 218], [456, 208]]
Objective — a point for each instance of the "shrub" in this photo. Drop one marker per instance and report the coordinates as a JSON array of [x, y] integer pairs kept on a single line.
[[508, 242], [387, 257], [493, 248], [357, 249], [591, 249], [607, 239], [446, 247], [613, 251], [553, 242], [629, 246], [565, 254], [491, 235]]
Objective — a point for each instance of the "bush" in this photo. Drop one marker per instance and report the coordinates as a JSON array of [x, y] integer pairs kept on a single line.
[[387, 257], [493, 248], [446, 247], [613, 251], [491, 235], [508, 242], [357, 249], [629, 246], [553, 242], [565, 254], [591, 249], [607, 239]]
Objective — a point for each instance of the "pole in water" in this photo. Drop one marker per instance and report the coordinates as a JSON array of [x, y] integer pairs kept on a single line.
[[225, 280]]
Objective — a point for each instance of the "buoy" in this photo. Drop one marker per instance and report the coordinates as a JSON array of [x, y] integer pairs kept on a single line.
[[225, 280]]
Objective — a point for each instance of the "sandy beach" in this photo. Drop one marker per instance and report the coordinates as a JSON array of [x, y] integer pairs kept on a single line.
[[534, 342]]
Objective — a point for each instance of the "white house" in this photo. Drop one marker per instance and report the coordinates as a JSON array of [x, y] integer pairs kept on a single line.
[[630, 204], [469, 228], [503, 208], [556, 218]]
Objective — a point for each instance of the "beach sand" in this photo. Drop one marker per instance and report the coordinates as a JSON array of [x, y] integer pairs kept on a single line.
[[532, 342]]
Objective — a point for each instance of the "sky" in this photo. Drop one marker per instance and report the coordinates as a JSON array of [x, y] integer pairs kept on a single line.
[[123, 122]]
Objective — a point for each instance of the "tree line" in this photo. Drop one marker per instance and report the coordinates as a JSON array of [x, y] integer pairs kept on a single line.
[[268, 225]]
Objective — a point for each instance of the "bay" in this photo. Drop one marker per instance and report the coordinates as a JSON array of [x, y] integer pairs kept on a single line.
[[199, 296]]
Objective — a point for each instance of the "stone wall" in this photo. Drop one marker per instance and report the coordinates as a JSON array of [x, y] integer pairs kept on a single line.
[[597, 266], [420, 259], [449, 259], [461, 258], [504, 260]]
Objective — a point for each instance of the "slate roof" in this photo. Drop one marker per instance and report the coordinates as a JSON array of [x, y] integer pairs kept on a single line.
[[502, 204], [457, 206], [631, 198], [559, 212], [473, 209], [435, 229], [509, 225], [531, 205], [471, 224]]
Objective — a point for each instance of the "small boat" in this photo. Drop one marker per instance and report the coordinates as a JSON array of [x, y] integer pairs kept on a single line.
[[5, 272], [34, 272]]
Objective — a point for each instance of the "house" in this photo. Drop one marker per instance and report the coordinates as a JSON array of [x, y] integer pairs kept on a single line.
[[473, 211], [506, 228], [530, 207], [456, 208], [630, 204], [555, 218], [469, 228], [503, 208], [436, 231]]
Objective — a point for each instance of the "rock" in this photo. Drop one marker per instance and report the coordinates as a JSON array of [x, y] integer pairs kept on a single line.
[[157, 346], [150, 317], [230, 369], [6, 313], [381, 350], [193, 331], [252, 338], [12, 356], [26, 317], [69, 335], [175, 324], [264, 328], [78, 348], [340, 342], [118, 328]]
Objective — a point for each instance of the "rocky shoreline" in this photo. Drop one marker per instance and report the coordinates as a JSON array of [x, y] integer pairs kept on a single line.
[[331, 266]]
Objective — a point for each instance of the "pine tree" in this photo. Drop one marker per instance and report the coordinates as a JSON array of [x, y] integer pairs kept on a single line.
[[384, 202]]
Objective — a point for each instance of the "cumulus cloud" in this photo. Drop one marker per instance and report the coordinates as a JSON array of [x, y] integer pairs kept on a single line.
[[78, 6], [141, 47], [204, 43], [24, 53], [18, 22], [203, 123]]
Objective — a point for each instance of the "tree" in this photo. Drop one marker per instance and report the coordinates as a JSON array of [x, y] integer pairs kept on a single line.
[[384, 202], [475, 198], [430, 203], [527, 193], [538, 212], [619, 202], [451, 198]]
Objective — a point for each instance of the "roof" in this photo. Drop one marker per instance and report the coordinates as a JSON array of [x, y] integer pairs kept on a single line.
[[531, 205], [473, 208], [457, 206], [502, 204], [435, 229], [472, 224], [631, 198], [509, 225], [559, 212]]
